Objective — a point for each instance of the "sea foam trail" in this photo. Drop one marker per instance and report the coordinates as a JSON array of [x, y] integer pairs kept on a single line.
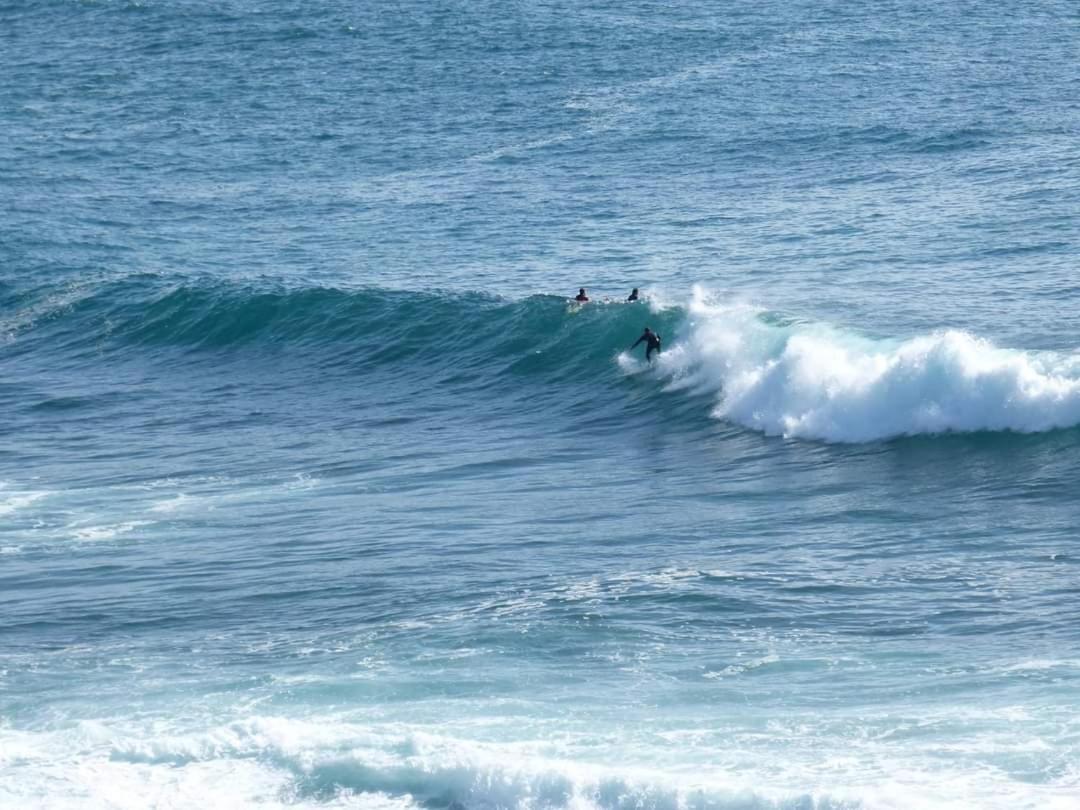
[[816, 382]]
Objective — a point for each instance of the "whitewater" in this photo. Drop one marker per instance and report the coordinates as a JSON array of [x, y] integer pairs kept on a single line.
[[318, 491], [817, 382]]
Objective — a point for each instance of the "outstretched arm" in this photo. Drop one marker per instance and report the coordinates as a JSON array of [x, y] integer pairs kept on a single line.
[[636, 342]]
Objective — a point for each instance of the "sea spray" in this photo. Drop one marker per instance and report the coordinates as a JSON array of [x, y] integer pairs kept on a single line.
[[815, 381]]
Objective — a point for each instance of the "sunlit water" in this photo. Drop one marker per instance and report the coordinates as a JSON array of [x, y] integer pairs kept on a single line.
[[315, 491]]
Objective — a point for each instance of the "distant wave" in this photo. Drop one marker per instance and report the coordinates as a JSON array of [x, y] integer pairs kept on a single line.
[[766, 372]]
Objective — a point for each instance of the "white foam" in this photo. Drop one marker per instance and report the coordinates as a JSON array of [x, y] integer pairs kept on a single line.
[[301, 482], [327, 762], [95, 533], [1041, 665], [173, 504], [11, 502], [275, 761], [816, 382]]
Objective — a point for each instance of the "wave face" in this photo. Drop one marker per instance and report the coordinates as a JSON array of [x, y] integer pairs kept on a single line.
[[395, 326], [765, 371]]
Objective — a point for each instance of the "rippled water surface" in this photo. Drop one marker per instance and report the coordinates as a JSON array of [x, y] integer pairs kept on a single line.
[[317, 491]]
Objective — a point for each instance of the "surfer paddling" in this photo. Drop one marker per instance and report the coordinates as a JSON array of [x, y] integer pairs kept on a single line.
[[652, 343]]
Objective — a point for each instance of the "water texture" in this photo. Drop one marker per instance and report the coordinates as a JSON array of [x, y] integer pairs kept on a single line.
[[316, 491]]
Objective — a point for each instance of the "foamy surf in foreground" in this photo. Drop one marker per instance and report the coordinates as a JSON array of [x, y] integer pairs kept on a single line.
[[278, 762], [814, 381]]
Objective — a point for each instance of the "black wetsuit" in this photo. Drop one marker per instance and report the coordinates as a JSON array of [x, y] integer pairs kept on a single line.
[[652, 344], [632, 297]]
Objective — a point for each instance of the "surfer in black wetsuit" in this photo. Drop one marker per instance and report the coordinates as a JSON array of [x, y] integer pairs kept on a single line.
[[652, 343], [633, 295], [581, 297]]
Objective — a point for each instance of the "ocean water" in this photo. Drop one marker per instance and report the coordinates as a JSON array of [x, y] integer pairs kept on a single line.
[[317, 492]]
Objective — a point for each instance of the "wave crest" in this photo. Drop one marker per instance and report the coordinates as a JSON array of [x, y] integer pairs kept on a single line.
[[816, 382], [766, 372]]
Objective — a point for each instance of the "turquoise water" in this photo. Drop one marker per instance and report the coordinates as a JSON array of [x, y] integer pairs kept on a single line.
[[316, 491]]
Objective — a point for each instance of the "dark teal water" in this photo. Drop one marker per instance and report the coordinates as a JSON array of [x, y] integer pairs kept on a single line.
[[316, 491]]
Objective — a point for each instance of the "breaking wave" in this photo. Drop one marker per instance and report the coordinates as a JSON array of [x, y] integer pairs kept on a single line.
[[817, 382], [764, 371]]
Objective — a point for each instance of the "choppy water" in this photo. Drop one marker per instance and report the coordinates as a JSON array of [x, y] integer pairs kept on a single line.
[[316, 492]]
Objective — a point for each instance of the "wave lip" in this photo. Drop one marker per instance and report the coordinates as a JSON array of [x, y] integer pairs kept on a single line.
[[815, 382]]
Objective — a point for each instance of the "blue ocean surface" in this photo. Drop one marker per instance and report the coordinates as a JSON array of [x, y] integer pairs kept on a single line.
[[317, 491]]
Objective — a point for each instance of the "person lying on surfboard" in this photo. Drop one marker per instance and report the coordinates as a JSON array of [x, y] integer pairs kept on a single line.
[[652, 343]]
